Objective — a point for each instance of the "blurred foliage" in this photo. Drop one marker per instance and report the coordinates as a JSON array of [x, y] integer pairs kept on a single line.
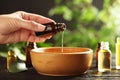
[[87, 24], [19, 48]]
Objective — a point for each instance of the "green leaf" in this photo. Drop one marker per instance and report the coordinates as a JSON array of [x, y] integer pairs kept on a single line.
[[42, 44], [17, 67], [78, 2], [67, 13], [107, 3], [58, 1], [89, 14], [57, 10], [103, 16], [19, 54]]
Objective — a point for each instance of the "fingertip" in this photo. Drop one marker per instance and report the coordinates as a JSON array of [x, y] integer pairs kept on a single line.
[[40, 27], [33, 38], [49, 37]]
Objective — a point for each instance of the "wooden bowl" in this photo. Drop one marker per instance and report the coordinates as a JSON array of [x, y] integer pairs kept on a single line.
[[52, 61]]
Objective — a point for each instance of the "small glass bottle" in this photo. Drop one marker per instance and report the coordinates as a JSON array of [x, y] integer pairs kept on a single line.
[[52, 28], [98, 48], [11, 58], [104, 58], [118, 53], [30, 46]]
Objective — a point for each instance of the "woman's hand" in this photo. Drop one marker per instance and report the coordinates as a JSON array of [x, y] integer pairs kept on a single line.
[[21, 26]]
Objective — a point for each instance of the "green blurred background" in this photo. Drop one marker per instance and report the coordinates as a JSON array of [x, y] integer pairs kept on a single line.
[[88, 22]]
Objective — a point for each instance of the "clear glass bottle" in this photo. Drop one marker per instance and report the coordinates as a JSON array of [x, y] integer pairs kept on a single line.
[[11, 58], [104, 58], [52, 28], [30, 46], [118, 53]]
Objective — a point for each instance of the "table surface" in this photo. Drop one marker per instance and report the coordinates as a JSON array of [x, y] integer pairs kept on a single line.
[[31, 74]]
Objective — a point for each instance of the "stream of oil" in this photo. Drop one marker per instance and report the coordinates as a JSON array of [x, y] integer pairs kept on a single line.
[[62, 42]]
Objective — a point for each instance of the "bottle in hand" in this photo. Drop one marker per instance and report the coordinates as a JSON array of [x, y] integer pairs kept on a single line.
[[52, 28]]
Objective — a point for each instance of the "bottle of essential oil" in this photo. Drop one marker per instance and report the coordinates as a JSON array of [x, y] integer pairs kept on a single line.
[[98, 48], [52, 28], [104, 58], [30, 46], [118, 53], [11, 58]]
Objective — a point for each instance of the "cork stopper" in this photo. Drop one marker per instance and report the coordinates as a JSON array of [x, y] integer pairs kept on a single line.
[[11, 53]]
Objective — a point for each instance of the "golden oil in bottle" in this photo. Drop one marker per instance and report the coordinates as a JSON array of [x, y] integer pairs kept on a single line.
[[104, 58], [118, 53], [11, 58]]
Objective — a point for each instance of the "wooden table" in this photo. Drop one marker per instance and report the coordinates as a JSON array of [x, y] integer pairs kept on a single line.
[[31, 74]]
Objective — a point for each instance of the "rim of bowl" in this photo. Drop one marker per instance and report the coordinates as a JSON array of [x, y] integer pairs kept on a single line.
[[37, 50]]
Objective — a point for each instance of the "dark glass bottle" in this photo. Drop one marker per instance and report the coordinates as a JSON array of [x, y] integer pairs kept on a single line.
[[98, 48], [52, 28], [30, 46]]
